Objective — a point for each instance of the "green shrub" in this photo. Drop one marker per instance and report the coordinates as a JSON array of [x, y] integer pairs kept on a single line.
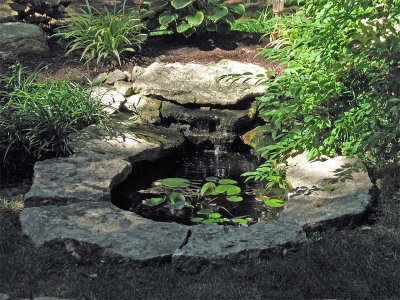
[[193, 16], [340, 91], [264, 23], [37, 117], [103, 35]]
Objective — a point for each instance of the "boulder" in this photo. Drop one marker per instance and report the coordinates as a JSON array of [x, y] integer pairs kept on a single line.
[[337, 191], [124, 88], [100, 162], [257, 137], [147, 110], [19, 39], [199, 84], [112, 100], [102, 226], [217, 244], [115, 76]]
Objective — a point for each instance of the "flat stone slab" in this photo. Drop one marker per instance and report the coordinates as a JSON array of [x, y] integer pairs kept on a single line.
[[117, 232], [217, 244], [100, 163], [21, 39], [4, 297], [334, 190], [199, 84]]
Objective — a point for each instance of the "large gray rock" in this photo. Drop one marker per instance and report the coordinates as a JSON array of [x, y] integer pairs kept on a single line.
[[218, 119], [62, 181], [21, 39], [334, 191], [4, 297], [116, 232], [100, 162], [216, 244], [146, 109], [198, 84], [112, 100]]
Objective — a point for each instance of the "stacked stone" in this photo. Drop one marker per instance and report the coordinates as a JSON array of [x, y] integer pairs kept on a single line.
[[45, 12]]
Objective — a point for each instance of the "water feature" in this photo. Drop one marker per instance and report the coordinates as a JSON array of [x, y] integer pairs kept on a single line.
[[198, 165]]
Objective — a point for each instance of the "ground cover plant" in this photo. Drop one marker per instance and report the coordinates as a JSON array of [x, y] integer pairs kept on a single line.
[[102, 35], [339, 93], [37, 117], [192, 16]]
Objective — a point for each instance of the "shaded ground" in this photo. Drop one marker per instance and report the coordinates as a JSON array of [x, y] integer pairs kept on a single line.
[[363, 263]]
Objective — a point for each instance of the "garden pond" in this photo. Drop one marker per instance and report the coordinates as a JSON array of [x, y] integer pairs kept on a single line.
[[199, 185]]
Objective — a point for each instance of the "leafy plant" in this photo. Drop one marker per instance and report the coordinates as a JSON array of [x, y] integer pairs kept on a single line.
[[102, 35], [37, 117], [193, 16], [264, 22], [339, 92]]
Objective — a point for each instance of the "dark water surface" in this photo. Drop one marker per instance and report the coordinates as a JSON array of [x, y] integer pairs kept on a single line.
[[195, 165]]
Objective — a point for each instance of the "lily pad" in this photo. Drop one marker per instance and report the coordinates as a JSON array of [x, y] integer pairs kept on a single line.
[[153, 201], [274, 202], [175, 182], [227, 181], [205, 212], [228, 189], [235, 199], [242, 221], [197, 220], [215, 216]]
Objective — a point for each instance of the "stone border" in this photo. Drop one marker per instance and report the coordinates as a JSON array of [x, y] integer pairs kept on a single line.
[[70, 202]]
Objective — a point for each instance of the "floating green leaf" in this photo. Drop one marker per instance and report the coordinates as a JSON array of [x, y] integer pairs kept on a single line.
[[211, 221], [197, 220], [175, 182], [242, 221], [235, 199], [214, 215], [228, 189], [274, 202], [205, 212], [153, 201], [207, 189], [227, 181]]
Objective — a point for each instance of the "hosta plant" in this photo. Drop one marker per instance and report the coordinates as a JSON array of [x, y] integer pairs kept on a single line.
[[193, 16], [103, 35]]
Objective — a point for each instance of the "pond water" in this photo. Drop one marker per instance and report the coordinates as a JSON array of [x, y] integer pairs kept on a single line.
[[198, 166]]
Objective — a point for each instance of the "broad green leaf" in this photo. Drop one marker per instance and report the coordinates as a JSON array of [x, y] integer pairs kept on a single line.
[[183, 27], [175, 182], [157, 4], [227, 181], [228, 189], [218, 13], [153, 201], [211, 221], [242, 221], [205, 212], [167, 17], [176, 200], [215, 216], [274, 202], [237, 10], [207, 189], [235, 199], [196, 19], [179, 4]]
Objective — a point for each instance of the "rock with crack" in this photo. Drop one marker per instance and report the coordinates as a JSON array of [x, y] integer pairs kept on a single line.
[[336, 192], [145, 108], [116, 232], [199, 84], [22, 39], [100, 162], [216, 244]]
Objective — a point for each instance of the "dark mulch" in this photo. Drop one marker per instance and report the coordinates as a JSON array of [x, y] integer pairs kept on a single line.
[[168, 49], [362, 263]]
